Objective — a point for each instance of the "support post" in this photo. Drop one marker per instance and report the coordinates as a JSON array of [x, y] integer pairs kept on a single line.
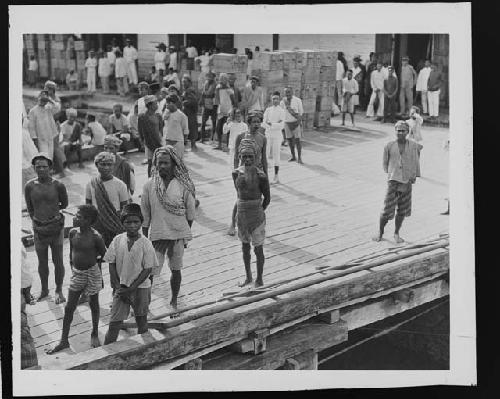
[[307, 360], [329, 317], [259, 340]]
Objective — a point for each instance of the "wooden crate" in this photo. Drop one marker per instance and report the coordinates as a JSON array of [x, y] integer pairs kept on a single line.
[[80, 45], [310, 74], [323, 118], [271, 78], [289, 60], [270, 60], [224, 62], [327, 73], [292, 75], [325, 103], [300, 59], [309, 90], [328, 58], [309, 105]]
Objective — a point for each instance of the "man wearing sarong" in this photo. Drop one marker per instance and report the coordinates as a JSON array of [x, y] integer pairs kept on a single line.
[[168, 207], [150, 126], [253, 97], [251, 185], [45, 197], [109, 195], [122, 169], [293, 120], [401, 163], [190, 109]]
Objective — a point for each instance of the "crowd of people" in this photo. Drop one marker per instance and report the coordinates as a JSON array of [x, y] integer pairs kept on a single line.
[[137, 239]]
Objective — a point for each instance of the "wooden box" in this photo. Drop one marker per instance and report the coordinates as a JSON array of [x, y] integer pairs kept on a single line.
[[328, 58], [271, 78], [291, 76], [289, 60], [309, 105], [270, 60], [310, 74], [309, 90], [327, 73]]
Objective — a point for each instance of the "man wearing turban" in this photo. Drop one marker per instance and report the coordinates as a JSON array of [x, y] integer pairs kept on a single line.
[[122, 169]]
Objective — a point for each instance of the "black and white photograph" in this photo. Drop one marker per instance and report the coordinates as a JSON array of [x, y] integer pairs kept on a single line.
[[200, 196]]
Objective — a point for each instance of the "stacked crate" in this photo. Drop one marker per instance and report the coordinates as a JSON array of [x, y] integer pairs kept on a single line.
[[81, 57], [310, 62], [327, 76], [43, 56], [58, 58], [231, 63]]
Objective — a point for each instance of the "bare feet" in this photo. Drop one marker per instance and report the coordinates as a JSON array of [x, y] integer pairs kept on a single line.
[[173, 303], [300, 161], [377, 238], [246, 282], [292, 159], [231, 231], [398, 239], [59, 298], [42, 296], [59, 347], [259, 283], [94, 341]]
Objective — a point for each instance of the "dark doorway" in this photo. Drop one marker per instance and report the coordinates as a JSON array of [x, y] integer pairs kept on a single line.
[[175, 40], [418, 49], [276, 41], [201, 42]]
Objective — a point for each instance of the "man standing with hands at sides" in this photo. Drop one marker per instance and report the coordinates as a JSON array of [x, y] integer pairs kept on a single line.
[[350, 89], [251, 185], [408, 81], [150, 126], [190, 109], [91, 65], [168, 206], [86, 249], [131, 259], [45, 197], [224, 99], [207, 101], [274, 121], [293, 118], [401, 163], [377, 78], [390, 91], [130, 55]]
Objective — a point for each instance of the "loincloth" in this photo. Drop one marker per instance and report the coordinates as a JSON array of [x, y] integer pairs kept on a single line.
[[251, 221]]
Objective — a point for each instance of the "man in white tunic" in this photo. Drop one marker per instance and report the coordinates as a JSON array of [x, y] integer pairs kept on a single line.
[[130, 55], [422, 79], [91, 66], [274, 122]]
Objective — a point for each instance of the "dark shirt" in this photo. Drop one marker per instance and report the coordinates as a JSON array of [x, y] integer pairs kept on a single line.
[[434, 82], [189, 101], [150, 128], [391, 85]]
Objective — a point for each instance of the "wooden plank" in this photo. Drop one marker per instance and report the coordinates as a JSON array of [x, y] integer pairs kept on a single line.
[[283, 346], [307, 360], [188, 337]]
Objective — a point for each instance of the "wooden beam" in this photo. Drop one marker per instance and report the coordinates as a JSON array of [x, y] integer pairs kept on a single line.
[[288, 344], [329, 317], [154, 347], [307, 360]]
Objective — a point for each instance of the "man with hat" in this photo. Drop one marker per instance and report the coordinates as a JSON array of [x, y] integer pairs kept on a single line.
[[358, 73], [45, 197], [190, 109], [130, 56], [224, 99], [159, 61], [253, 97], [71, 132], [401, 163], [91, 66], [150, 126], [207, 101], [408, 81], [122, 169]]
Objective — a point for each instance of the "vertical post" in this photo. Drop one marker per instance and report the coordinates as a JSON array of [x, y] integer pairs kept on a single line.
[[276, 41]]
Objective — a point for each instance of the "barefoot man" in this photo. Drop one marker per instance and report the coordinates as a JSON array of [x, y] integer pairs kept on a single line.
[[45, 197], [401, 163], [85, 247], [168, 206], [251, 184]]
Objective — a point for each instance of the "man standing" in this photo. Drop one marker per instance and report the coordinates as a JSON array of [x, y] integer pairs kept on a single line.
[[390, 91], [91, 66], [130, 56], [109, 195], [104, 71], [408, 81], [207, 101], [433, 89], [350, 89], [422, 79], [401, 163], [42, 126], [159, 60], [377, 83], [143, 88], [190, 109], [274, 121], [122, 169], [45, 197], [192, 53], [340, 71], [371, 65], [150, 126], [253, 97], [237, 92], [121, 74], [168, 206], [224, 98], [251, 185], [358, 73], [176, 128], [293, 120]]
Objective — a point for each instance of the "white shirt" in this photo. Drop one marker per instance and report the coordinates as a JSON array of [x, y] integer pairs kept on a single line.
[[296, 105], [111, 57], [141, 106], [98, 133], [204, 61], [234, 128], [104, 69], [192, 52], [422, 79], [120, 68], [340, 70], [159, 60], [274, 118], [377, 79], [173, 60], [33, 65], [129, 54], [91, 63]]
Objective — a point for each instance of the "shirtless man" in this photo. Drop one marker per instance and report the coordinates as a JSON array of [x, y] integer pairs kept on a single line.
[[251, 185], [85, 247], [45, 197]]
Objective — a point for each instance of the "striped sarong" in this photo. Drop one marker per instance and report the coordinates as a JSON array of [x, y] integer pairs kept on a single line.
[[88, 281], [251, 221], [398, 194]]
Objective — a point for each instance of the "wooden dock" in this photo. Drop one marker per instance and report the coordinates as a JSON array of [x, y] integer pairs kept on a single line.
[[322, 215]]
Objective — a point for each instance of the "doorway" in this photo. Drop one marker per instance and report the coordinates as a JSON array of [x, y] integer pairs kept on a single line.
[[201, 41], [418, 49]]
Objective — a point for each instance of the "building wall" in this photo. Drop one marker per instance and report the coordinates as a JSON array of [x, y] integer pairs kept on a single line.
[[241, 41], [146, 48]]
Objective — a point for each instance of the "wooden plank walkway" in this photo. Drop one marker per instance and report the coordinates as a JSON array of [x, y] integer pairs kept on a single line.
[[323, 213]]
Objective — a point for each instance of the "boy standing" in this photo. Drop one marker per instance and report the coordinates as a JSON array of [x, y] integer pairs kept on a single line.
[[176, 125], [86, 249], [131, 258]]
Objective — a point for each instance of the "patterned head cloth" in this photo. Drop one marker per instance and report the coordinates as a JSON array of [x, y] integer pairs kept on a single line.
[[142, 84], [112, 139], [181, 173], [131, 210], [149, 99], [71, 111], [402, 124], [104, 156], [247, 145]]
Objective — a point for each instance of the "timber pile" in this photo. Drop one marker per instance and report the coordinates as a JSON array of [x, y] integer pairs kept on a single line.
[[345, 297]]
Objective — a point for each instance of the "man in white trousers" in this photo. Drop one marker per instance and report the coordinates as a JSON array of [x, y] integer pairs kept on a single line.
[[433, 90], [130, 55], [377, 83], [274, 122], [91, 66], [423, 78]]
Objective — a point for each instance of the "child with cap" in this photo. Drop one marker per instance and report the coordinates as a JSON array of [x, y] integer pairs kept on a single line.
[[131, 258]]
